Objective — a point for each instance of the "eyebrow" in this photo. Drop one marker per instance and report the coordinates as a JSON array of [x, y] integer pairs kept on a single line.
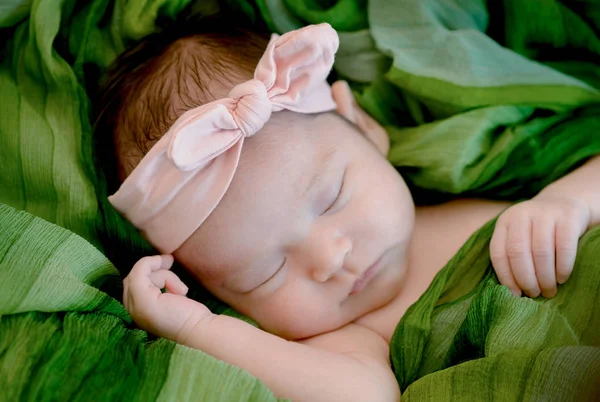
[[324, 162]]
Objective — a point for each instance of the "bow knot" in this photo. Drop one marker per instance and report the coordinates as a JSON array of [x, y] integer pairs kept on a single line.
[[184, 176], [253, 108]]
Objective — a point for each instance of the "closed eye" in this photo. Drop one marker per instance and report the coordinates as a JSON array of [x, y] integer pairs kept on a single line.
[[269, 278], [338, 196]]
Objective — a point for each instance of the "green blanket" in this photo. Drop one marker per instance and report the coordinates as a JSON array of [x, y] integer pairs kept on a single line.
[[491, 99]]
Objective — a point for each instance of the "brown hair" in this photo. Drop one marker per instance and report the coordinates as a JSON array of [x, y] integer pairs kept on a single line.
[[167, 73]]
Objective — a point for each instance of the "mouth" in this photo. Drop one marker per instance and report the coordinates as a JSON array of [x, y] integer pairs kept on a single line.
[[366, 276]]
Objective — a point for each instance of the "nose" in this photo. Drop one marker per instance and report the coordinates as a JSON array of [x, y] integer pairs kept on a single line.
[[328, 252]]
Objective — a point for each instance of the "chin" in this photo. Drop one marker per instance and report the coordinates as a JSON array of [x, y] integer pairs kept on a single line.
[[295, 334], [306, 329]]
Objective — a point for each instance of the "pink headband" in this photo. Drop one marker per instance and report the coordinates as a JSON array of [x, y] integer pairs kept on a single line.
[[182, 179]]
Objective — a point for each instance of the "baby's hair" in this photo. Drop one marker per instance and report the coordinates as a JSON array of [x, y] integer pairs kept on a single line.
[[165, 74]]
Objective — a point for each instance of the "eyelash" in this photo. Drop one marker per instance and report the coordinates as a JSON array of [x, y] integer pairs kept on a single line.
[[338, 196], [274, 274], [335, 201]]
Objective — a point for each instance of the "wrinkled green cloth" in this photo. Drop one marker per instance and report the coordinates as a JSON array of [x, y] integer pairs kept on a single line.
[[470, 339], [494, 99], [63, 338], [63, 333], [479, 98]]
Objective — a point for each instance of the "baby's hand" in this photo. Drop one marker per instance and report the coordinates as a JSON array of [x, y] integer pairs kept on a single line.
[[535, 242], [168, 315]]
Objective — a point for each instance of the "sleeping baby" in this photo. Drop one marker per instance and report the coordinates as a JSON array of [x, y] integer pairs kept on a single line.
[[272, 188]]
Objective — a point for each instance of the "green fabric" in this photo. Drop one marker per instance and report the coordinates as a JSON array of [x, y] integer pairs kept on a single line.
[[63, 333], [465, 114], [481, 104], [468, 338], [493, 99], [63, 338]]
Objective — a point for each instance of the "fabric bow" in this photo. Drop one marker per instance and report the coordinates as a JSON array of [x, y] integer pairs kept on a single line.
[[184, 176]]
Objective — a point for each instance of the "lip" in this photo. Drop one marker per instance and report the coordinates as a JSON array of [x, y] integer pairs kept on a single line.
[[366, 276]]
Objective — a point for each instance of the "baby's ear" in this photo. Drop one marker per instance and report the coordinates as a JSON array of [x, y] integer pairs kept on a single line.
[[347, 107]]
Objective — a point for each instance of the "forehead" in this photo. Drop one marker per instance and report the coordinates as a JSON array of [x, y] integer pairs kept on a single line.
[[276, 167]]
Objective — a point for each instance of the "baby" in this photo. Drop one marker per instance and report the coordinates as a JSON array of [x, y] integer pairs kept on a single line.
[[236, 158]]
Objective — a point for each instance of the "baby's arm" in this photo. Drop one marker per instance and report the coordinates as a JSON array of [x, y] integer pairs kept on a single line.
[[354, 368], [535, 242]]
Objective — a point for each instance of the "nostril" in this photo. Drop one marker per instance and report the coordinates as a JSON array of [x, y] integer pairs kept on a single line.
[[321, 275], [335, 259], [344, 246]]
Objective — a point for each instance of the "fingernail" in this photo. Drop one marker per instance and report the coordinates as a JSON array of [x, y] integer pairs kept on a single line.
[[535, 293], [516, 293]]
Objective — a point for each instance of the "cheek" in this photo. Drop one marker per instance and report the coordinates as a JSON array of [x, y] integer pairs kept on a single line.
[[392, 198], [381, 214], [295, 314], [381, 197]]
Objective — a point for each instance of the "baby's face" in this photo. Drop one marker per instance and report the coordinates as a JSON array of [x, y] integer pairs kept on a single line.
[[313, 231]]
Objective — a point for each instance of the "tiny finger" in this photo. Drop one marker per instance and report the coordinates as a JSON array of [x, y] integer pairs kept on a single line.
[[166, 261], [500, 260], [158, 262], [566, 250], [518, 248], [146, 265], [542, 247], [166, 279]]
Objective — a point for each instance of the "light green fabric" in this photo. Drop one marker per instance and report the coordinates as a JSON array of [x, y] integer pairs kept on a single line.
[[475, 95], [472, 97], [63, 338], [479, 98]]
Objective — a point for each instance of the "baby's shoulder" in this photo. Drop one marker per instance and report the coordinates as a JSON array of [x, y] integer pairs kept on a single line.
[[446, 227], [473, 212], [449, 225]]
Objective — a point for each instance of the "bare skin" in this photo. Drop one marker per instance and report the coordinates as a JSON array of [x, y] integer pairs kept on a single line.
[[328, 275], [433, 225]]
